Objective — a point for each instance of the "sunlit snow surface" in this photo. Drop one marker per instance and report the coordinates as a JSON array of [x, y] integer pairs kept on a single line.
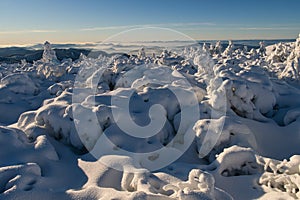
[[236, 132]]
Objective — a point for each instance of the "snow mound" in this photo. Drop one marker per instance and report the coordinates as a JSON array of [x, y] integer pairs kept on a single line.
[[19, 177], [19, 83]]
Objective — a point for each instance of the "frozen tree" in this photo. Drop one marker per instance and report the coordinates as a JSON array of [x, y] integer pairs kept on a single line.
[[211, 49], [141, 53], [280, 54], [49, 66], [229, 49], [165, 53], [218, 47], [205, 48], [297, 43], [49, 54], [153, 55], [245, 49], [82, 56], [262, 49], [253, 54], [292, 68], [297, 46]]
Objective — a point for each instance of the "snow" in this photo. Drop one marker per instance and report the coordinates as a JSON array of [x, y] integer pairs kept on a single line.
[[195, 122]]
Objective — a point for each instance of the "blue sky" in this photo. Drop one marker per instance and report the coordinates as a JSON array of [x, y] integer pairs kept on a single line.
[[61, 21]]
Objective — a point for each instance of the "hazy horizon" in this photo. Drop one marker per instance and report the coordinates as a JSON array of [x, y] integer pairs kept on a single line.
[[33, 21], [99, 42], [87, 42]]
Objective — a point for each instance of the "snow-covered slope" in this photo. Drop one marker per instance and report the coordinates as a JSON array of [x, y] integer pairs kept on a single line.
[[198, 123]]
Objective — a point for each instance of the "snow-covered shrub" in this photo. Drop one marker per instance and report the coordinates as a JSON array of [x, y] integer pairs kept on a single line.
[[280, 53], [249, 90], [200, 185], [58, 88], [57, 119], [50, 70], [283, 175], [168, 58], [292, 69], [235, 161]]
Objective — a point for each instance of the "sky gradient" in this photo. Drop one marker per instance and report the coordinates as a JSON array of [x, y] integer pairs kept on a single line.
[[65, 21]]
